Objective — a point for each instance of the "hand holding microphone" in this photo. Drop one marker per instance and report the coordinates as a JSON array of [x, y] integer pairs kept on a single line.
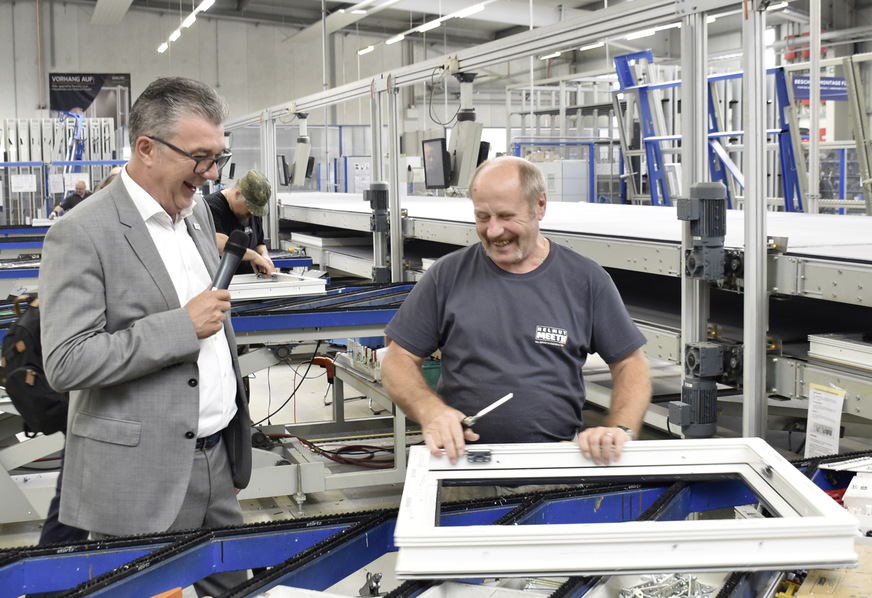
[[208, 309]]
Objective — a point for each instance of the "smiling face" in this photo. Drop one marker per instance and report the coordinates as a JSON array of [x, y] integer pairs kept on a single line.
[[169, 176], [505, 220]]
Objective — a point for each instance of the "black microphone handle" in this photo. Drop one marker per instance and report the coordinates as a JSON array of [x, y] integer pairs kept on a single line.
[[234, 249], [226, 269]]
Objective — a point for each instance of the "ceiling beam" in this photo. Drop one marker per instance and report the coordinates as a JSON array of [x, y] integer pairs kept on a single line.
[[109, 12]]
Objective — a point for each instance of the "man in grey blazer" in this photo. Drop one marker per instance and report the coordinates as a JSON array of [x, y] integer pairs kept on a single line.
[[159, 435]]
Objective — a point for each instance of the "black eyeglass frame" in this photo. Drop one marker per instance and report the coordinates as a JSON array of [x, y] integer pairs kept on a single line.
[[220, 161]]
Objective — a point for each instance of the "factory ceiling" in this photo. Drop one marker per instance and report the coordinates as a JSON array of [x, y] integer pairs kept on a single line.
[[481, 21]]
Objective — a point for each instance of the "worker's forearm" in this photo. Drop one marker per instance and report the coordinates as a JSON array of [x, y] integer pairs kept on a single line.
[[406, 386], [631, 392]]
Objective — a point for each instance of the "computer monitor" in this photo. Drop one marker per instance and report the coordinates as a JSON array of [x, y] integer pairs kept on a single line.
[[437, 163]]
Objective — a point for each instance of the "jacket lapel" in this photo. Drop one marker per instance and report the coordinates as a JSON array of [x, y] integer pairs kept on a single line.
[[143, 246], [204, 238]]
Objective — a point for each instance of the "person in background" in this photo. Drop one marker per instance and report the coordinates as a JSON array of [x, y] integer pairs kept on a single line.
[[158, 434], [72, 200], [114, 172], [515, 313], [242, 207]]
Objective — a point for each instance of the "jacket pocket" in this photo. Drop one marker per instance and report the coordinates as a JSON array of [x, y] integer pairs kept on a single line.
[[104, 429]]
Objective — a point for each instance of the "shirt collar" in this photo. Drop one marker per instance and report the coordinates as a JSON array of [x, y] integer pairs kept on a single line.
[[148, 206]]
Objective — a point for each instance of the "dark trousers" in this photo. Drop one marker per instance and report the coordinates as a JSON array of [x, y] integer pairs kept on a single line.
[[53, 531]]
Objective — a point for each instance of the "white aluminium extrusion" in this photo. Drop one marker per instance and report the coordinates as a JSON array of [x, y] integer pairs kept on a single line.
[[807, 528]]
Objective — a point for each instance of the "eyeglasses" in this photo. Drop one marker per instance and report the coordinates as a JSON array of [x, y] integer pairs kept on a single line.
[[202, 164]]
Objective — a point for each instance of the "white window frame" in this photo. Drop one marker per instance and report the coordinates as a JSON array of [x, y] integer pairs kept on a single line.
[[808, 529]]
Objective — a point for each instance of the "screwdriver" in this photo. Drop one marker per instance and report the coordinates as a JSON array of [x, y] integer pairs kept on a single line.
[[470, 420]]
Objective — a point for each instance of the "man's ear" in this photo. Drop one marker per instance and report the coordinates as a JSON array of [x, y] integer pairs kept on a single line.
[[147, 149]]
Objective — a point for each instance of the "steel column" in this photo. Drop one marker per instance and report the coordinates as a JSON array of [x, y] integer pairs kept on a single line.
[[755, 298]]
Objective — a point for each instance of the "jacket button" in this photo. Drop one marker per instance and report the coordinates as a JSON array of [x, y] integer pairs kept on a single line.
[[192, 382], [189, 435]]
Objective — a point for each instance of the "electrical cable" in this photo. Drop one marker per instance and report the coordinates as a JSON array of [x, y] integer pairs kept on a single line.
[[361, 455], [433, 93], [296, 387]]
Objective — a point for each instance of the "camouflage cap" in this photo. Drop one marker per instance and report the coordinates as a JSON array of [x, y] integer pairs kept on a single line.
[[256, 190]]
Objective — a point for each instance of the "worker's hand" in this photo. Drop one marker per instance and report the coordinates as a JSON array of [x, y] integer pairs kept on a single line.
[[262, 266], [442, 429], [602, 444], [208, 310], [53, 215]]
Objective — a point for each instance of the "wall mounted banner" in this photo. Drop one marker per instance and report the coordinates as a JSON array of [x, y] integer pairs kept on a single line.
[[832, 88], [74, 92]]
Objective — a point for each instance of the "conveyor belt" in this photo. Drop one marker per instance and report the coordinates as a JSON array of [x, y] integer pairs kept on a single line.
[[316, 553], [341, 306], [18, 231]]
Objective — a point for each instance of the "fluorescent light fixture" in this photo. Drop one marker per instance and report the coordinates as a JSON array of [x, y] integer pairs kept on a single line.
[[359, 11], [175, 35], [191, 18], [669, 26], [395, 39], [711, 19], [429, 26], [778, 6], [205, 5], [593, 46], [641, 34], [365, 50], [163, 48], [552, 55], [462, 14]]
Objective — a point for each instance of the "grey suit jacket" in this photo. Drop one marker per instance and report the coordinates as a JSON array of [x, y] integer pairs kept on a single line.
[[114, 334]]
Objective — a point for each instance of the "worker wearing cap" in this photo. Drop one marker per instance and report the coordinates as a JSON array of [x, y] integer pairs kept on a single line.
[[241, 207]]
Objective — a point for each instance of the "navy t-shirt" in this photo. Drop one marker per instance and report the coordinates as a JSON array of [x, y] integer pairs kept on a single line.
[[528, 334]]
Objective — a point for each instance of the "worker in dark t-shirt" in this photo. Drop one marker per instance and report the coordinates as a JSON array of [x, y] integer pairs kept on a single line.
[[241, 207], [71, 201]]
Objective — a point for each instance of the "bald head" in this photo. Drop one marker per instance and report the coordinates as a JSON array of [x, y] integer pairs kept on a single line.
[[528, 176]]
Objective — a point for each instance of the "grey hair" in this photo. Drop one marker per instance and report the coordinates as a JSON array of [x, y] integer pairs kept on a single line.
[[158, 110], [530, 176]]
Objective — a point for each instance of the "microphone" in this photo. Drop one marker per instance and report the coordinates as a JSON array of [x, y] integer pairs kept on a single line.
[[234, 249]]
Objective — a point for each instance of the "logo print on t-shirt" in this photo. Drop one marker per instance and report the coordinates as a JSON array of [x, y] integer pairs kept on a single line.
[[550, 335]]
